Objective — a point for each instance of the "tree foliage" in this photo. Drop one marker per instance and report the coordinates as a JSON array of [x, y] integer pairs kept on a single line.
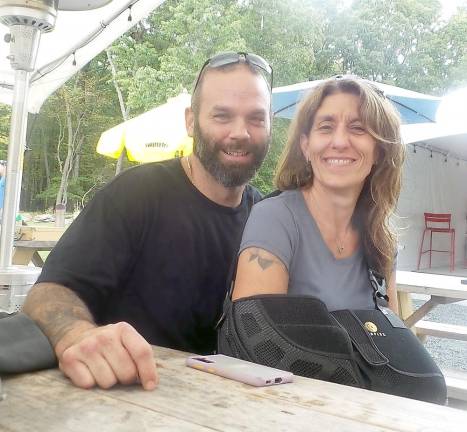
[[5, 114]]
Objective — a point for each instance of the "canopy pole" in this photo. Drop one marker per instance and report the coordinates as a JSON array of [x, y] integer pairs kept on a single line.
[[24, 44], [14, 165]]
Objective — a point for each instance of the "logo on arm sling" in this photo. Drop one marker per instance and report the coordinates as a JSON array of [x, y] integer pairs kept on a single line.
[[373, 329]]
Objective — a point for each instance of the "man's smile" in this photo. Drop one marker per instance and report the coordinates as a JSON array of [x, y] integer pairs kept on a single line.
[[236, 153]]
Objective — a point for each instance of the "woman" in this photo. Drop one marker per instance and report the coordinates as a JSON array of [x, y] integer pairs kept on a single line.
[[341, 176]]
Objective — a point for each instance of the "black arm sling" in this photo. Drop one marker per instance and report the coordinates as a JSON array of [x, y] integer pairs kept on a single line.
[[367, 348]]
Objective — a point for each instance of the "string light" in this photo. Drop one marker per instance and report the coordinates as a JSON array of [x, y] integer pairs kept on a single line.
[[443, 153], [130, 18], [74, 58]]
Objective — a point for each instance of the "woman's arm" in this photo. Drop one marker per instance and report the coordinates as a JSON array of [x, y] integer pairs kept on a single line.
[[392, 293], [259, 272]]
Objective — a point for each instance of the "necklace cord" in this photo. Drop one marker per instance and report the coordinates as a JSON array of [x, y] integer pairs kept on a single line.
[[340, 245]]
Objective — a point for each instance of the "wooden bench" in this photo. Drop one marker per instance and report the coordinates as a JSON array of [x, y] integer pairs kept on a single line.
[[441, 330], [456, 382]]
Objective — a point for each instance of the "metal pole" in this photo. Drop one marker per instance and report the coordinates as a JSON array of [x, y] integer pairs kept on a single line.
[[15, 281], [14, 172]]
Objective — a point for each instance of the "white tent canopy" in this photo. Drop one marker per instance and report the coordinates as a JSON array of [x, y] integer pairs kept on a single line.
[[85, 33], [447, 139], [431, 183], [434, 181]]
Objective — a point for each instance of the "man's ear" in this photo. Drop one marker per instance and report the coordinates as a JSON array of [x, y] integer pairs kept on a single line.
[[189, 121]]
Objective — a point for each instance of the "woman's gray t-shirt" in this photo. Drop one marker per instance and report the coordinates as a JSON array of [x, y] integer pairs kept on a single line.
[[283, 226]]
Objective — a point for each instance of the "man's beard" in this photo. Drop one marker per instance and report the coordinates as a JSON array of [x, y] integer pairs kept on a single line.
[[229, 175]]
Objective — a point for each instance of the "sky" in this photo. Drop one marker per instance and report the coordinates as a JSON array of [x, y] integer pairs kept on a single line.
[[449, 6]]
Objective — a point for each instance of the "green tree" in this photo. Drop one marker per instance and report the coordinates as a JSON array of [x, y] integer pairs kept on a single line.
[[287, 39], [448, 50], [190, 31], [400, 42], [5, 116], [63, 162]]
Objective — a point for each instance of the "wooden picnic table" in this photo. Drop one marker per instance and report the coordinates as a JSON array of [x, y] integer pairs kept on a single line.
[[27, 251], [32, 241], [442, 289], [191, 400]]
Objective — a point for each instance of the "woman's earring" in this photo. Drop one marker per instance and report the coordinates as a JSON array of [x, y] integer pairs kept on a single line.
[[308, 166]]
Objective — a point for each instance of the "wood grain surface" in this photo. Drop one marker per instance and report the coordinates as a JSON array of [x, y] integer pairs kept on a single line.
[[191, 400]]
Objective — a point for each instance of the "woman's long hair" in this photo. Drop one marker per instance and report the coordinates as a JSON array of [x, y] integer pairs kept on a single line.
[[381, 189]]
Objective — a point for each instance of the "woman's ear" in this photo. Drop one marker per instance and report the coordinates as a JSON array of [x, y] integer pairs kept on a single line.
[[304, 146], [376, 154]]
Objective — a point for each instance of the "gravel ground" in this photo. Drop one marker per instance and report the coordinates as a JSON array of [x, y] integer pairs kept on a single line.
[[448, 353]]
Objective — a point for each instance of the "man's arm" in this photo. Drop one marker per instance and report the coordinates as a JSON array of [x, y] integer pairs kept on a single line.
[[88, 354], [57, 310]]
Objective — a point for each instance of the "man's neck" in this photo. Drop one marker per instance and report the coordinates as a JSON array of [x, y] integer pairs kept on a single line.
[[208, 185]]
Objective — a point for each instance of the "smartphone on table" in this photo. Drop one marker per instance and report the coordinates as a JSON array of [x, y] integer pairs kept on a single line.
[[240, 370]]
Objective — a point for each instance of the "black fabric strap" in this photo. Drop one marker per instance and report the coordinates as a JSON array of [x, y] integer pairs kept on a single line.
[[231, 274], [378, 283]]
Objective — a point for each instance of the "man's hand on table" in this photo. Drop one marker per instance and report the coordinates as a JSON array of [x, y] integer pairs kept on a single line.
[[105, 356]]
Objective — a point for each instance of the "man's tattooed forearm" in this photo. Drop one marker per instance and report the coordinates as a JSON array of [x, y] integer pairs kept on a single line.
[[263, 262], [58, 319], [55, 309]]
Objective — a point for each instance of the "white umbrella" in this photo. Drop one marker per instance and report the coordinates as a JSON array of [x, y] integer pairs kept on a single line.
[[453, 109], [449, 134], [413, 107]]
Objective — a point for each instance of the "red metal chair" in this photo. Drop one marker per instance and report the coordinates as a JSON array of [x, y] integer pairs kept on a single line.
[[438, 223]]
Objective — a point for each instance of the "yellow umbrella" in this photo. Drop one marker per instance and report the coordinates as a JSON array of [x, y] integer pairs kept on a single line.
[[155, 135]]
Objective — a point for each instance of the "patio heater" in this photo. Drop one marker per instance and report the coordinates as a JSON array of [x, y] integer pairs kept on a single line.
[[26, 20]]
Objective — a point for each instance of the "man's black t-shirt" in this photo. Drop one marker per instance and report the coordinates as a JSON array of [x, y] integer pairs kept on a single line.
[[153, 251]]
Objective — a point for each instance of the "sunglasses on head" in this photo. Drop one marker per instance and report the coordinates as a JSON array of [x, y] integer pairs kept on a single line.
[[375, 88], [228, 58]]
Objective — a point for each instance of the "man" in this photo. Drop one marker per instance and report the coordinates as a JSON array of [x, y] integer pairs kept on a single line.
[[147, 260]]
